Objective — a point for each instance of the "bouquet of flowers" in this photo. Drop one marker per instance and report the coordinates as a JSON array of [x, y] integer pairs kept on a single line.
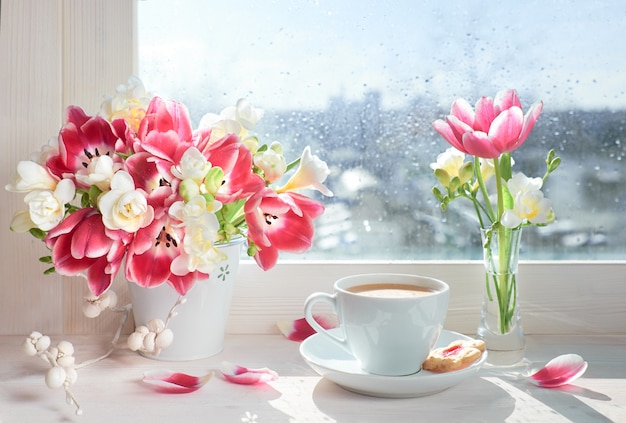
[[136, 186], [136, 182], [490, 133]]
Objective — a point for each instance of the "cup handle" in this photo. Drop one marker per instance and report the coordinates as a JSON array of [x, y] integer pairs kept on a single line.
[[308, 315]]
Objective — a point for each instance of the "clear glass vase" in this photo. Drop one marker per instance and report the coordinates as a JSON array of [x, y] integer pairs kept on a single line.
[[500, 320]]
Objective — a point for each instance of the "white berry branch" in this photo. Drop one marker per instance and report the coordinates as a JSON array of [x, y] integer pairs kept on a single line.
[[149, 339]]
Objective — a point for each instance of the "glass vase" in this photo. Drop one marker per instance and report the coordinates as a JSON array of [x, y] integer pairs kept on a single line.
[[500, 320]]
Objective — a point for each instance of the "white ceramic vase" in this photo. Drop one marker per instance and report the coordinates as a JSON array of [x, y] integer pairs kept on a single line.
[[200, 322]]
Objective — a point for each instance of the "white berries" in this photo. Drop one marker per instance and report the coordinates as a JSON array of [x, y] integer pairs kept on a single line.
[[55, 378], [36, 343], [151, 338], [61, 359], [93, 306]]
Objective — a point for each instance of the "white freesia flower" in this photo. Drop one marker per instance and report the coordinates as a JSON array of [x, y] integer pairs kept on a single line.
[[46, 151], [219, 126], [450, 160], [193, 165], [311, 173], [246, 114], [529, 203], [22, 222], [272, 162], [238, 119], [47, 208], [200, 252], [31, 176], [196, 209], [129, 103], [99, 172], [521, 183], [124, 207]]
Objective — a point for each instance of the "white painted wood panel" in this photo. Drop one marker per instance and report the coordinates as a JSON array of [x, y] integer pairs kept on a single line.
[[30, 112], [559, 297], [54, 53]]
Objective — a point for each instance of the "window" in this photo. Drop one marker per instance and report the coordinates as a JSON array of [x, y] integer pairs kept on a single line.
[[361, 83]]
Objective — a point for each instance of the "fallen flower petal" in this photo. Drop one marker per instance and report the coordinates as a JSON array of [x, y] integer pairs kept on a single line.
[[245, 376], [175, 383], [560, 371], [299, 330]]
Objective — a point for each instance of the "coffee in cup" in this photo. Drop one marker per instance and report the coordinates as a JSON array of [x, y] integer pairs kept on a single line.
[[388, 322]]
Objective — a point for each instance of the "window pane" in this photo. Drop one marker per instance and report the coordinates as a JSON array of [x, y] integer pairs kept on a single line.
[[361, 82]]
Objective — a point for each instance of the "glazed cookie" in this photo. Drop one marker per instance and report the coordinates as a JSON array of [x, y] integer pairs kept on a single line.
[[456, 356]]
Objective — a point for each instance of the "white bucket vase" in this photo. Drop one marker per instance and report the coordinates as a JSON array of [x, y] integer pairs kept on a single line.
[[200, 323]]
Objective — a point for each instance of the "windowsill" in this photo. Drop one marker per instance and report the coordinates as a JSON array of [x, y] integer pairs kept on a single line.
[[112, 391]]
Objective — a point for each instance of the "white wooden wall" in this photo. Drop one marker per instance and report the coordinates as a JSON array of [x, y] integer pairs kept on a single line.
[[52, 53], [59, 52]]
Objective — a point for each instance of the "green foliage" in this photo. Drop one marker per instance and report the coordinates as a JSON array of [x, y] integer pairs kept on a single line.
[[37, 233]]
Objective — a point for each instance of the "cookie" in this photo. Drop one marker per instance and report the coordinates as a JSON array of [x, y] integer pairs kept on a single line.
[[456, 356]]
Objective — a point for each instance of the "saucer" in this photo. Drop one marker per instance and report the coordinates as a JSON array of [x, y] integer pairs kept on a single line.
[[337, 365]]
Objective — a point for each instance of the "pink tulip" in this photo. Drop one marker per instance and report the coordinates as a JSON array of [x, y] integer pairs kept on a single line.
[[150, 256], [280, 222], [81, 139], [81, 245], [496, 126], [235, 159]]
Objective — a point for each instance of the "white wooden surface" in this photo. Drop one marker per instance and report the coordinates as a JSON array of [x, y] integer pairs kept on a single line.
[[60, 52], [112, 391]]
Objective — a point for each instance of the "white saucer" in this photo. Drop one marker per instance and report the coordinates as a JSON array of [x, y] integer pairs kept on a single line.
[[332, 362]]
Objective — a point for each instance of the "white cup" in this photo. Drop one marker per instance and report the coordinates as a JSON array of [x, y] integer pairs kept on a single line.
[[390, 331]]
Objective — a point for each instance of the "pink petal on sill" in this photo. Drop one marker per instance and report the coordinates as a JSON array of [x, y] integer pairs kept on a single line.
[[175, 383], [245, 376], [560, 371], [299, 330]]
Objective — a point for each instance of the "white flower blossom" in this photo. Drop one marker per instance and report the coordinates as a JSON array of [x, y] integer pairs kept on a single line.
[[311, 173], [99, 172], [238, 120], [47, 208], [529, 203], [193, 165], [271, 162], [31, 176], [124, 207], [129, 103]]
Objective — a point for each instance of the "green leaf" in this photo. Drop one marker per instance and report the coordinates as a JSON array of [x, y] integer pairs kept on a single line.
[[49, 271], [507, 198], [94, 193], [37, 233], [84, 200], [505, 166], [45, 259], [293, 164]]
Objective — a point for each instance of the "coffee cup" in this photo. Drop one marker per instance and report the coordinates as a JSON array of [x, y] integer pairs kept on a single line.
[[388, 322]]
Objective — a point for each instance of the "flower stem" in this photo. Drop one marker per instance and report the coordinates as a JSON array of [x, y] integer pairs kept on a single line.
[[483, 190]]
